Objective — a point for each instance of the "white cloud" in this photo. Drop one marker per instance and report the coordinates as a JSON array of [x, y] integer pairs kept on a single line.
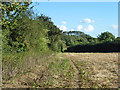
[[72, 29], [115, 27], [89, 28], [87, 20], [64, 22], [57, 26], [62, 27], [79, 27]]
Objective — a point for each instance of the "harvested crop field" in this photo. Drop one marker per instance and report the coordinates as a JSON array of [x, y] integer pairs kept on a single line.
[[102, 67], [71, 70]]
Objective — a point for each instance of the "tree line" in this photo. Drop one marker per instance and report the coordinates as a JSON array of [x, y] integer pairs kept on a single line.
[[22, 30], [77, 41]]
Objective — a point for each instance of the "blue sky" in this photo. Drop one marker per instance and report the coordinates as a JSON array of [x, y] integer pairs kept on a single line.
[[89, 17]]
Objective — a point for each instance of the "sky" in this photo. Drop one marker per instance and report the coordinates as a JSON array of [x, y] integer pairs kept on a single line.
[[92, 18]]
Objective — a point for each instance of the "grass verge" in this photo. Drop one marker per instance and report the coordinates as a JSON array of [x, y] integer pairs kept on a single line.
[[14, 64]]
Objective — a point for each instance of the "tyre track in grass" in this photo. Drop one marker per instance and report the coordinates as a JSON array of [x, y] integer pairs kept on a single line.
[[78, 81], [79, 73]]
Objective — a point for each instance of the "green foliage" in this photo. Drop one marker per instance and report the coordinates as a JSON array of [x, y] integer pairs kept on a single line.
[[106, 36], [117, 40], [22, 32], [79, 42], [73, 38], [10, 12], [54, 33]]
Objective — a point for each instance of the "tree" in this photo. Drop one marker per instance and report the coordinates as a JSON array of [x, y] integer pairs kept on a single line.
[[118, 38], [9, 15], [106, 36]]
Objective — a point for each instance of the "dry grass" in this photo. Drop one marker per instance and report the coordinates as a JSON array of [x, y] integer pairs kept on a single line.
[[70, 70], [55, 71], [102, 67]]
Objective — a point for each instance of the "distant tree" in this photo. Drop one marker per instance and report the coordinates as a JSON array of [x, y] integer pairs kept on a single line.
[[118, 38], [106, 36]]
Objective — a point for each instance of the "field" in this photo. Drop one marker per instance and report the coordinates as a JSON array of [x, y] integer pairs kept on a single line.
[[102, 67], [70, 70]]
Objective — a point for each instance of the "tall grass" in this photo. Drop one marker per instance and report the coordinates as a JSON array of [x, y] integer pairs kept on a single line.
[[16, 63]]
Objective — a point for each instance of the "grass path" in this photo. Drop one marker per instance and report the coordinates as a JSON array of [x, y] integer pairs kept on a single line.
[[78, 83]]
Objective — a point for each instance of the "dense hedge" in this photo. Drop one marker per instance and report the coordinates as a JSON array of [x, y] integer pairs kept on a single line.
[[100, 47]]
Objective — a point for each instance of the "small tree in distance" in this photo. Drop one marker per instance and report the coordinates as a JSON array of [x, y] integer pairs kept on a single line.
[[106, 36]]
